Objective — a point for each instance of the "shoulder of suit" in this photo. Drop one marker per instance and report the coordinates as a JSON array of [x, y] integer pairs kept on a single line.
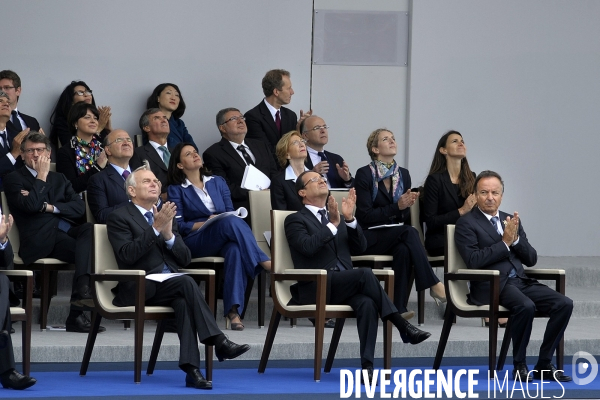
[[288, 111]]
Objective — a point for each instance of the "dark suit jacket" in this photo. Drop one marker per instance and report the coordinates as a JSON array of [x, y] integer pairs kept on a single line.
[[334, 179], [383, 210], [312, 245], [157, 165], [482, 248], [283, 194], [223, 160], [137, 247], [13, 131], [105, 193], [65, 164], [6, 165], [36, 229], [440, 208], [261, 125]]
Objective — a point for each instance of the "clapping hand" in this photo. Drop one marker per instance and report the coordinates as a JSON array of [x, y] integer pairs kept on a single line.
[[511, 229], [5, 225], [407, 199], [348, 204], [343, 171], [163, 219]]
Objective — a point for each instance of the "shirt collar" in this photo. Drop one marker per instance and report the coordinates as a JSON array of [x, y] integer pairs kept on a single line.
[[290, 175], [489, 217], [142, 210], [188, 183], [314, 210], [235, 145], [119, 169], [272, 109], [33, 171]]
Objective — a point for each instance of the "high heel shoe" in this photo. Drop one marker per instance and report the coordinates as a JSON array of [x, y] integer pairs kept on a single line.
[[234, 326], [438, 299]]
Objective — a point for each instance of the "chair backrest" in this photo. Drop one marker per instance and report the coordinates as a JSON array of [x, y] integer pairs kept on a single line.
[[260, 210], [452, 263], [53, 166], [338, 195], [139, 142], [89, 217], [13, 235], [282, 258], [103, 258], [415, 219]]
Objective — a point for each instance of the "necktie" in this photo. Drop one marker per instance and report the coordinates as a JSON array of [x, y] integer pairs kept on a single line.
[[4, 140], [324, 219], [15, 121], [166, 154], [278, 121], [322, 155], [125, 174], [245, 154], [494, 221], [150, 218]]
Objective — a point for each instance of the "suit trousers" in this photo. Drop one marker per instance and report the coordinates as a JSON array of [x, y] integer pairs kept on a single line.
[[361, 290], [522, 297], [192, 315], [404, 244], [75, 247], [7, 358]]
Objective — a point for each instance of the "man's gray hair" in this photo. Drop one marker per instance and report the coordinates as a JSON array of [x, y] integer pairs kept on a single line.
[[3, 94], [130, 180]]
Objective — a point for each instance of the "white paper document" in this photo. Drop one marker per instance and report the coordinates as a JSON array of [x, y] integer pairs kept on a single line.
[[163, 277], [240, 213], [386, 226], [254, 179]]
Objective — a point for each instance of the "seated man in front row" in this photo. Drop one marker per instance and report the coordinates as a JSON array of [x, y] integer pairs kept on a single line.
[[144, 238], [9, 377], [488, 239], [318, 240]]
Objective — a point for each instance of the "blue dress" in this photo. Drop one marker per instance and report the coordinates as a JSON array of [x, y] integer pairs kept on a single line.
[[229, 237]]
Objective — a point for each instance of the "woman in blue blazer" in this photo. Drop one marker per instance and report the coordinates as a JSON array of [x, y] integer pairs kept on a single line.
[[200, 196]]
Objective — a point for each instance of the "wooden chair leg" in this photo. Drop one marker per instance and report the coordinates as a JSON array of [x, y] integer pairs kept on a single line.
[[335, 340], [262, 293], [319, 335], [275, 318], [127, 324], [208, 355], [158, 337], [247, 294], [26, 344], [137, 351], [443, 338], [493, 339], [387, 345], [91, 340], [560, 354], [421, 306], [45, 298], [504, 347]]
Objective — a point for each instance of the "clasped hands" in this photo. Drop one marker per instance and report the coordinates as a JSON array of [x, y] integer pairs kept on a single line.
[[407, 199], [343, 170], [348, 204], [511, 229], [163, 219]]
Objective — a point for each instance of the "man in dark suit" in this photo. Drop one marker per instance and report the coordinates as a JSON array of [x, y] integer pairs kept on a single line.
[[9, 377], [230, 156], [10, 83], [493, 240], [315, 132], [106, 190], [45, 207], [155, 124], [144, 238], [269, 120], [321, 239], [10, 152]]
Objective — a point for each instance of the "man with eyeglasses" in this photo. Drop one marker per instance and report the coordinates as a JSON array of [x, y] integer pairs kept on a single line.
[[155, 124], [269, 120], [230, 156], [106, 190], [45, 206], [325, 238], [20, 124], [315, 131]]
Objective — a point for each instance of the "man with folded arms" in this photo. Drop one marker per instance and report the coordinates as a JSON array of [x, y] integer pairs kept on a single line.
[[324, 240], [494, 240], [9, 377], [144, 238]]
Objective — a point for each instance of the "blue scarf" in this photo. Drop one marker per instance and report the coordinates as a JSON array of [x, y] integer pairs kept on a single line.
[[381, 171]]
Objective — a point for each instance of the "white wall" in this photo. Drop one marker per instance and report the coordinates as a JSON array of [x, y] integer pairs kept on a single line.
[[216, 51], [520, 80]]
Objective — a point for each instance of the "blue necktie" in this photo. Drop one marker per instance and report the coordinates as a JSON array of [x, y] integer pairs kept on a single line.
[[494, 221], [150, 218], [324, 219]]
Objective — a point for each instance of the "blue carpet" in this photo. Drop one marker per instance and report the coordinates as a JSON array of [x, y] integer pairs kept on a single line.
[[292, 379]]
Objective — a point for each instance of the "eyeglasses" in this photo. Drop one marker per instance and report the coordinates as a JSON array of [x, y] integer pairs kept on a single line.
[[317, 128], [39, 150], [315, 179], [6, 88], [121, 140], [83, 92], [234, 119], [297, 142]]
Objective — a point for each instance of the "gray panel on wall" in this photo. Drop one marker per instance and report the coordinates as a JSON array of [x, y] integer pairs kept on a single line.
[[344, 37]]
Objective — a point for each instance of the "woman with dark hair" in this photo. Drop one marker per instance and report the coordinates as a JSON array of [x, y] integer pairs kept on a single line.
[[167, 97], [75, 92], [448, 191], [383, 197], [199, 196], [83, 156], [291, 153]]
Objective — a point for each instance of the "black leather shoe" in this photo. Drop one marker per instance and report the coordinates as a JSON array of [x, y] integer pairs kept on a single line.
[[229, 350], [413, 335], [81, 324], [549, 371], [370, 374], [14, 380], [195, 379], [522, 372], [83, 297], [329, 323]]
